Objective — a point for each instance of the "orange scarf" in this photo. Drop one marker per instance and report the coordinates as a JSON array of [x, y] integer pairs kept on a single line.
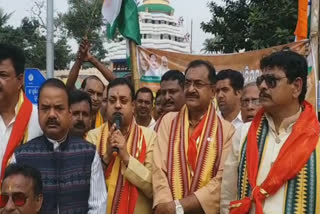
[[99, 120], [18, 131], [122, 195], [192, 165], [294, 154]]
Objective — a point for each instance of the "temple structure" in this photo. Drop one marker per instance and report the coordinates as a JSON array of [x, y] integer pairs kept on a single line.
[[159, 29]]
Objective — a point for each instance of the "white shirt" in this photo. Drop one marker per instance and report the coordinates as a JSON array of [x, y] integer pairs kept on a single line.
[[236, 122], [97, 202], [34, 129], [152, 123], [275, 203]]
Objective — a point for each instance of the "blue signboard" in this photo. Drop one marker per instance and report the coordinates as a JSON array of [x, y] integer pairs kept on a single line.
[[33, 79]]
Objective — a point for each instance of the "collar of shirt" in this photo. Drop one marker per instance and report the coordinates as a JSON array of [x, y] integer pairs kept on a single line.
[[286, 124], [56, 143]]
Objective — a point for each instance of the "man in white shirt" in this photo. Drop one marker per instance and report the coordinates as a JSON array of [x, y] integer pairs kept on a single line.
[[228, 93], [274, 161], [14, 105]]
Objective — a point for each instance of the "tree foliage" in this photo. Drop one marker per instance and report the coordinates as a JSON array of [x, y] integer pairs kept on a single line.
[[84, 18], [30, 36], [250, 24]]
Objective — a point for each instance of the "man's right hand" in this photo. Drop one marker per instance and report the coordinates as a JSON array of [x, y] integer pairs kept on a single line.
[[84, 50]]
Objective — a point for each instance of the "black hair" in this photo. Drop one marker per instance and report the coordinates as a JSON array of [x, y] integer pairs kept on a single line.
[[56, 83], [174, 75], [15, 54], [26, 171], [121, 81], [293, 64], [235, 77], [208, 65], [158, 94], [145, 90], [84, 82], [77, 96]]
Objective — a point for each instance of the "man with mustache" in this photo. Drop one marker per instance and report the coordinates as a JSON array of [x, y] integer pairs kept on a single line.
[[18, 117], [191, 148], [80, 105], [172, 94], [228, 94], [249, 102], [91, 84], [126, 150], [274, 163], [73, 180], [143, 108]]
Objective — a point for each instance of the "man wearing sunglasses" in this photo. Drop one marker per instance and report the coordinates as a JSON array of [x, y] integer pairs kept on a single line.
[[191, 149], [274, 163], [21, 190]]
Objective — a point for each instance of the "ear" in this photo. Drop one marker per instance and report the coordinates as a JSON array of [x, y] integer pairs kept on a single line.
[[213, 91], [297, 87], [39, 201], [20, 80], [238, 93]]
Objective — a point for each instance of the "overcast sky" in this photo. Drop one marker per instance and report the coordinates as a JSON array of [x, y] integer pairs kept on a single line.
[[196, 10]]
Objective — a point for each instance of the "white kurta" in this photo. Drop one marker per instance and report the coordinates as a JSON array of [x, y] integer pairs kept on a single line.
[[275, 203]]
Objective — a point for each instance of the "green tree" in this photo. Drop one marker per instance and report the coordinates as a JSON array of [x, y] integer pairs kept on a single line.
[[250, 24], [30, 36], [84, 18]]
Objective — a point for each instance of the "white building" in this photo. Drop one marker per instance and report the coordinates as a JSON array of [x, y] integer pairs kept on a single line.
[[159, 29]]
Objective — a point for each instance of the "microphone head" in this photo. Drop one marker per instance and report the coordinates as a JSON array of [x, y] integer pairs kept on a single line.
[[117, 119]]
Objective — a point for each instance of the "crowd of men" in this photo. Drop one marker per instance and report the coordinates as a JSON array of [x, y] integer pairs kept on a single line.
[[204, 143]]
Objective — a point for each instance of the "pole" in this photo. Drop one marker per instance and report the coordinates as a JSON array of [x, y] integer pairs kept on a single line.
[[50, 46], [134, 64], [191, 35]]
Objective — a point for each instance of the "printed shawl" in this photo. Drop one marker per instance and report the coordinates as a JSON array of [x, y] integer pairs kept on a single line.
[[293, 156], [193, 161], [122, 195]]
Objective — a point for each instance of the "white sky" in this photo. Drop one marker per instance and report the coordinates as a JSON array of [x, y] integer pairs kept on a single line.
[[196, 10]]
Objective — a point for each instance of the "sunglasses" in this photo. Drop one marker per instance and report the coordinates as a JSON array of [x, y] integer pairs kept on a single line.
[[271, 80], [18, 198]]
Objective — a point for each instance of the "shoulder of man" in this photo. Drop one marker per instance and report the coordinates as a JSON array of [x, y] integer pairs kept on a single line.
[[30, 144], [80, 140], [94, 135]]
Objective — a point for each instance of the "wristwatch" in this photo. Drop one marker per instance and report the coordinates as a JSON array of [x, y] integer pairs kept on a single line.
[[179, 207]]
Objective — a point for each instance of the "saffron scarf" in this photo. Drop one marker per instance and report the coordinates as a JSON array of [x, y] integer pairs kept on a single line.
[[293, 156], [192, 165], [99, 120], [18, 130], [122, 195]]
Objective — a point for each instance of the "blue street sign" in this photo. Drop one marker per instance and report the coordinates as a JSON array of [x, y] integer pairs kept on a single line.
[[33, 80]]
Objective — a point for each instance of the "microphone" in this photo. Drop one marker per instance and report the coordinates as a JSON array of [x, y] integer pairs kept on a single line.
[[117, 119]]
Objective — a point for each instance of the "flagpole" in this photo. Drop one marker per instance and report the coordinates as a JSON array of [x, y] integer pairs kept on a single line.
[[134, 64]]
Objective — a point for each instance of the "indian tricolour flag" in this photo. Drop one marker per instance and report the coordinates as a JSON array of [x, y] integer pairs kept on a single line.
[[304, 19], [122, 15]]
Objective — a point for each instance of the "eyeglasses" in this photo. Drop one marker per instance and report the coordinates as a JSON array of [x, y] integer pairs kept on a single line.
[[270, 80], [18, 198], [253, 101], [198, 84]]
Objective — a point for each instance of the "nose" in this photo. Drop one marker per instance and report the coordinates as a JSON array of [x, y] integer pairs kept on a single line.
[[10, 205], [263, 85], [52, 113], [118, 104], [95, 96], [191, 87], [219, 94], [166, 96], [80, 116]]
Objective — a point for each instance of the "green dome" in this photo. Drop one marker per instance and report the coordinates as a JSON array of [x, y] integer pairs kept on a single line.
[[160, 8]]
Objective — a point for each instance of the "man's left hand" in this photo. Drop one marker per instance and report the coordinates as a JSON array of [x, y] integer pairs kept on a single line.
[[166, 208]]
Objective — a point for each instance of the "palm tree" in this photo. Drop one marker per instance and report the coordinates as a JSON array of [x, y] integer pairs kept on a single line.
[[4, 17]]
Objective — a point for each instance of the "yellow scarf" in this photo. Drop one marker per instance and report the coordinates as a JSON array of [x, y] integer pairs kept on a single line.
[[99, 120]]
